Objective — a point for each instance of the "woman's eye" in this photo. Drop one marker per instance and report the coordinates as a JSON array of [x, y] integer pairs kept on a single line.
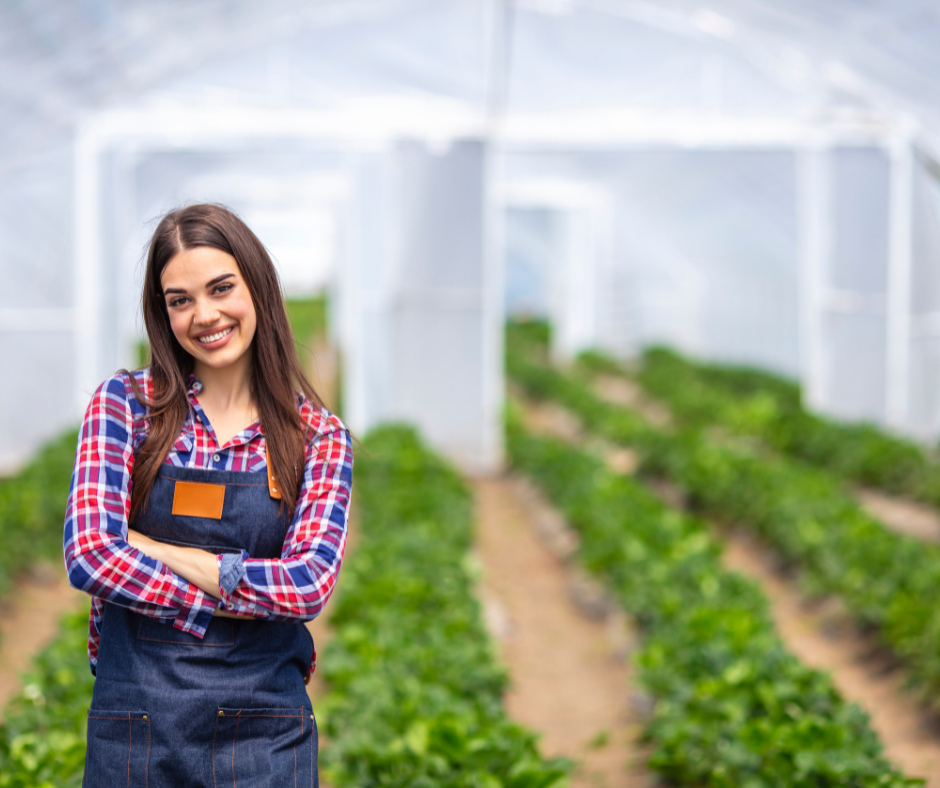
[[223, 288], [177, 301]]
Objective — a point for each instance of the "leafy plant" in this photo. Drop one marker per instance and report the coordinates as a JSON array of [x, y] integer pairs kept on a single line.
[[32, 508], [750, 402], [415, 692], [733, 707], [42, 740], [887, 580]]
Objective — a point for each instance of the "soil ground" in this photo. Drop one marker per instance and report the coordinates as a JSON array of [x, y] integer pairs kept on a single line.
[[906, 517], [823, 637], [568, 683]]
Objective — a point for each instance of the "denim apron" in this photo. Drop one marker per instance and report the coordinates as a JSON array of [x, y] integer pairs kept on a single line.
[[170, 710]]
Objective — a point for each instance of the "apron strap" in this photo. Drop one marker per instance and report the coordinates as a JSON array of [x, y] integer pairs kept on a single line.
[[273, 488]]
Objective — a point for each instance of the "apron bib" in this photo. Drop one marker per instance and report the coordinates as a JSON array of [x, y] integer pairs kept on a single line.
[[170, 710]]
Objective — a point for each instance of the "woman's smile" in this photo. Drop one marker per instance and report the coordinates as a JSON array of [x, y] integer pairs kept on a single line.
[[216, 339]]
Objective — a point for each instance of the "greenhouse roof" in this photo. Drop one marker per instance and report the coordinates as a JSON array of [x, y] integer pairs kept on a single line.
[[731, 59]]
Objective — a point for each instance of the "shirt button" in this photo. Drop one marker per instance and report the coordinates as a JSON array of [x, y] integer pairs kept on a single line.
[[216, 457]]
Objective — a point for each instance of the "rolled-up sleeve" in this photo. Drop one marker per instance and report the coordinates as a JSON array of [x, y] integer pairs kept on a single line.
[[98, 558], [297, 585]]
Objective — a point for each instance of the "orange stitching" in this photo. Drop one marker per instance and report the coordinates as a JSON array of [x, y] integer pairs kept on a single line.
[[313, 760], [230, 484], [237, 720], [214, 783], [130, 746], [147, 764], [295, 750]]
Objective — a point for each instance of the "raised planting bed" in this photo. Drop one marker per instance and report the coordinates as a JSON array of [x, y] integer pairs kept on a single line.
[[887, 580], [732, 706], [415, 691], [749, 402]]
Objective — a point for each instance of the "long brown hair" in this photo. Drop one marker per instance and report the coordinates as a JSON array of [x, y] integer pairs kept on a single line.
[[276, 373]]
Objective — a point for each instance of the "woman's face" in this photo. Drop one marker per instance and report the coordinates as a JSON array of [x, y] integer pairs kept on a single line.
[[210, 308]]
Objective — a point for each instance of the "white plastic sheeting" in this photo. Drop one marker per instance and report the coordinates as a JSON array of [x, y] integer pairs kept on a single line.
[[420, 300], [760, 174]]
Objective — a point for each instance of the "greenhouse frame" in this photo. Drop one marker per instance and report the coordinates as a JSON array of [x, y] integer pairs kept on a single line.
[[753, 182]]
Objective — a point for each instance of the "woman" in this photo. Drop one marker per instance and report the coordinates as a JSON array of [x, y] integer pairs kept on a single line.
[[207, 518]]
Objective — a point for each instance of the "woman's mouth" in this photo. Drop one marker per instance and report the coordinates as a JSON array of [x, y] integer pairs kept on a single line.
[[216, 339]]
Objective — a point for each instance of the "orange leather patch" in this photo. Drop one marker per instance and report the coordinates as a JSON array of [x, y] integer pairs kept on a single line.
[[195, 499]]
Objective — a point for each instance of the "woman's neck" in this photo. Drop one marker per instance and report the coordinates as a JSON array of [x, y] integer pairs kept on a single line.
[[226, 388]]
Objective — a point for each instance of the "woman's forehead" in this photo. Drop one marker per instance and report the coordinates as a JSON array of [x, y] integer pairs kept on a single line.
[[197, 267]]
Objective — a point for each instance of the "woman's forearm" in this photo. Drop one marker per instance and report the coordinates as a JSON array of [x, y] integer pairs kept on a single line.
[[197, 566]]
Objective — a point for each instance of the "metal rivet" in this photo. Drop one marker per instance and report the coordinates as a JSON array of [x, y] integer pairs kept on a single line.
[[221, 713], [311, 716], [216, 457], [144, 717], [274, 489]]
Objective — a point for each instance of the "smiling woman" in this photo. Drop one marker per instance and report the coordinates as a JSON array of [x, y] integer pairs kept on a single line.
[[207, 518]]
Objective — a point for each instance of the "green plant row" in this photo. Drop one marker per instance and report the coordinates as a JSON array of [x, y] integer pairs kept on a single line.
[[32, 508], [887, 580], [732, 707], [415, 691], [42, 738], [749, 402]]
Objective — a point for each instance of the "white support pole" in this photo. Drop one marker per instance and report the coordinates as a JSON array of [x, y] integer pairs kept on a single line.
[[575, 307], [87, 257], [494, 314], [900, 258], [815, 248]]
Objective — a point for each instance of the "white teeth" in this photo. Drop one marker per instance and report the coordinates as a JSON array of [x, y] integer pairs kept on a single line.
[[215, 337]]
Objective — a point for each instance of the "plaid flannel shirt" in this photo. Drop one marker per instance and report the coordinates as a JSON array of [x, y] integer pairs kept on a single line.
[[99, 560]]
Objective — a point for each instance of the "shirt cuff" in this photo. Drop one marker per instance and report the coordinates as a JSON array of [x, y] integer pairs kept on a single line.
[[231, 571], [197, 611]]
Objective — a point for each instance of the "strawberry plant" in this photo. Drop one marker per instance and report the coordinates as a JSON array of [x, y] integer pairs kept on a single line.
[[415, 691], [732, 706], [886, 579]]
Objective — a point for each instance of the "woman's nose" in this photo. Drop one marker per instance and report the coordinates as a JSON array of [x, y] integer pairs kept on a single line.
[[205, 312]]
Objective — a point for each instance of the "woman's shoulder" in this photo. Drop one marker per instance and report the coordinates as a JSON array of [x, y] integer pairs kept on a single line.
[[122, 388], [318, 419]]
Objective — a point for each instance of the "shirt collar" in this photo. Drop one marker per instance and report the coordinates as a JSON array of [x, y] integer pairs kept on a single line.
[[187, 436], [194, 385]]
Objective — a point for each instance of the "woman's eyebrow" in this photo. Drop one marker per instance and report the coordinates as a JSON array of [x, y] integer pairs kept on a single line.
[[218, 279], [210, 283]]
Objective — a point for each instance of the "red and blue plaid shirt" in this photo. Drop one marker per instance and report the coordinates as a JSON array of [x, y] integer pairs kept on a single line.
[[99, 560]]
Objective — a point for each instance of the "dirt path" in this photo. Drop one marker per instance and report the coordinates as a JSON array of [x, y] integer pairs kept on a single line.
[[824, 638], [569, 683], [29, 618], [906, 517]]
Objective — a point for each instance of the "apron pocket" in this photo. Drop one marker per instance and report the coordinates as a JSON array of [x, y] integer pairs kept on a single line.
[[220, 632], [118, 749], [265, 748]]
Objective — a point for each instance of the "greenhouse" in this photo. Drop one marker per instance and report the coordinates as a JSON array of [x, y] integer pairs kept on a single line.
[[649, 292]]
